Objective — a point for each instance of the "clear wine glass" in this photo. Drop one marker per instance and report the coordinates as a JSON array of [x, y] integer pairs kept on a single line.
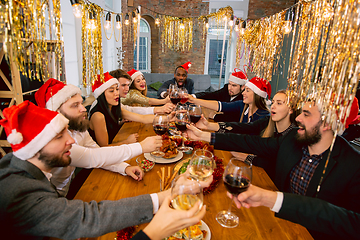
[[161, 126], [202, 164], [185, 192], [183, 93], [194, 112], [237, 178], [172, 87], [181, 119], [181, 107]]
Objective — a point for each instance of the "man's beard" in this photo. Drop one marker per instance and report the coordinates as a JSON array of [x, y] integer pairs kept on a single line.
[[78, 124], [309, 138], [53, 161]]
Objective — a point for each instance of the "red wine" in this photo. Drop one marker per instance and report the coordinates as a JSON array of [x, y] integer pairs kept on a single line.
[[236, 185], [181, 126], [175, 100], [160, 130], [184, 100], [195, 118]]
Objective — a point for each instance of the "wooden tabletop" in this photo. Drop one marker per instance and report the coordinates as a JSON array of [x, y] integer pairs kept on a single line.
[[255, 223]]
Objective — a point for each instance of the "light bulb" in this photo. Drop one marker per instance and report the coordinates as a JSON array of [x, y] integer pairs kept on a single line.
[[231, 23], [287, 27], [242, 31], [237, 28], [91, 24], [157, 21], [77, 10], [207, 25], [182, 26], [127, 21], [107, 25], [134, 20], [118, 25]]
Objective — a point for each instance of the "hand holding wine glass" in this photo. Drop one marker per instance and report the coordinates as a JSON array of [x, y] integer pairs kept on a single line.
[[181, 119], [161, 126], [237, 178], [202, 164], [194, 112], [183, 93], [185, 193], [175, 96]]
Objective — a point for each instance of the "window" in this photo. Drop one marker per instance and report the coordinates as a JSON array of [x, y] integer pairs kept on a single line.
[[144, 47]]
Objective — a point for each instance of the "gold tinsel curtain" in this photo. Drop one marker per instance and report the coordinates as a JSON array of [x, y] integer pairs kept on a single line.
[[32, 30]]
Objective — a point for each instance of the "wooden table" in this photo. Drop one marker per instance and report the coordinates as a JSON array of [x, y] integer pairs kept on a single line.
[[255, 223]]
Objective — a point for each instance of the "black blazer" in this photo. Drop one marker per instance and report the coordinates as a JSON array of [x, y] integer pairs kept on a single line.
[[341, 184]]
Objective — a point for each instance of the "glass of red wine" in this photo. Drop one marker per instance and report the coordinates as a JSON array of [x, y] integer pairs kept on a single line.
[[237, 178], [175, 96], [181, 119], [194, 112], [161, 126]]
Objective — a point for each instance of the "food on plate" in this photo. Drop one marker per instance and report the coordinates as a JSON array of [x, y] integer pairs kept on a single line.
[[196, 233], [144, 164], [169, 148]]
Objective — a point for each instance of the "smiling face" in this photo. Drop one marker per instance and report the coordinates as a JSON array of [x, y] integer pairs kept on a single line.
[[140, 83], [248, 96], [57, 152], [124, 85], [279, 109], [73, 110], [112, 95], [310, 125], [180, 76], [234, 89]]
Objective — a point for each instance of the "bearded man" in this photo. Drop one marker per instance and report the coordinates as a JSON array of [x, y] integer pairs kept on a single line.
[[320, 190]]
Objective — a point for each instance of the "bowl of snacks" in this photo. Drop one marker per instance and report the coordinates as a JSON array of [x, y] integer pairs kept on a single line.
[[145, 164]]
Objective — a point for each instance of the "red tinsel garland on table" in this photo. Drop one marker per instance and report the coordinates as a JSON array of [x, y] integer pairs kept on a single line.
[[127, 233]]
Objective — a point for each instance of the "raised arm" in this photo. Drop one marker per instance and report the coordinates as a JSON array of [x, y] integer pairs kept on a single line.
[[136, 117]]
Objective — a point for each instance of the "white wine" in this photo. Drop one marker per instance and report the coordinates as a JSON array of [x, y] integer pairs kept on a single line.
[[185, 201], [201, 171]]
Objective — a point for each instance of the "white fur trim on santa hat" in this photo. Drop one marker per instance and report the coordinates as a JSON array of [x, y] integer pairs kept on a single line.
[[237, 80], [62, 96], [54, 127], [256, 89], [135, 75], [105, 86]]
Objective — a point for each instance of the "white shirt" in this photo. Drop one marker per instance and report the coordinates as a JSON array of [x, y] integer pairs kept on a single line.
[[85, 153]]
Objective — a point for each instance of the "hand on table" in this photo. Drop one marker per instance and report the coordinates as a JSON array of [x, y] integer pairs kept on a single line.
[[254, 197], [135, 172], [133, 138], [150, 144], [167, 221]]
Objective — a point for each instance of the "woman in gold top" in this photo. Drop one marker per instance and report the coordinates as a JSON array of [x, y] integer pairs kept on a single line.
[[138, 91]]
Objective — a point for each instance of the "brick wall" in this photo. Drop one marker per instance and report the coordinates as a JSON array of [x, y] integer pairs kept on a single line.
[[166, 61], [264, 8]]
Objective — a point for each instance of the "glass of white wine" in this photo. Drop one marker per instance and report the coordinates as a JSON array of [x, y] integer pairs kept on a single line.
[[185, 192], [202, 164]]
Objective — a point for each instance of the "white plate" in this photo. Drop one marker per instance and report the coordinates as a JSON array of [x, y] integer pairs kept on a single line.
[[163, 160], [205, 227]]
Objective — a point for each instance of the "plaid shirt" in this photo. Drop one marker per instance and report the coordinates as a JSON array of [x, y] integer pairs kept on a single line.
[[302, 173]]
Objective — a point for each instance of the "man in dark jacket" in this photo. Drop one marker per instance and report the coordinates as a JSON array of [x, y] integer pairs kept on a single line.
[[230, 92], [305, 174], [180, 79]]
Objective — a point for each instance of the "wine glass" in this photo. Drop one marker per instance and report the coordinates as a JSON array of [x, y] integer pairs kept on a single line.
[[202, 164], [175, 96], [237, 179], [172, 87], [181, 119], [161, 126], [183, 93], [181, 107], [185, 192], [194, 112]]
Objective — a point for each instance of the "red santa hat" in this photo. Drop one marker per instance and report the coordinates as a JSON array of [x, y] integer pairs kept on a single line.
[[29, 128], [53, 93], [186, 66], [238, 77], [353, 117], [100, 86], [134, 74], [260, 86]]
